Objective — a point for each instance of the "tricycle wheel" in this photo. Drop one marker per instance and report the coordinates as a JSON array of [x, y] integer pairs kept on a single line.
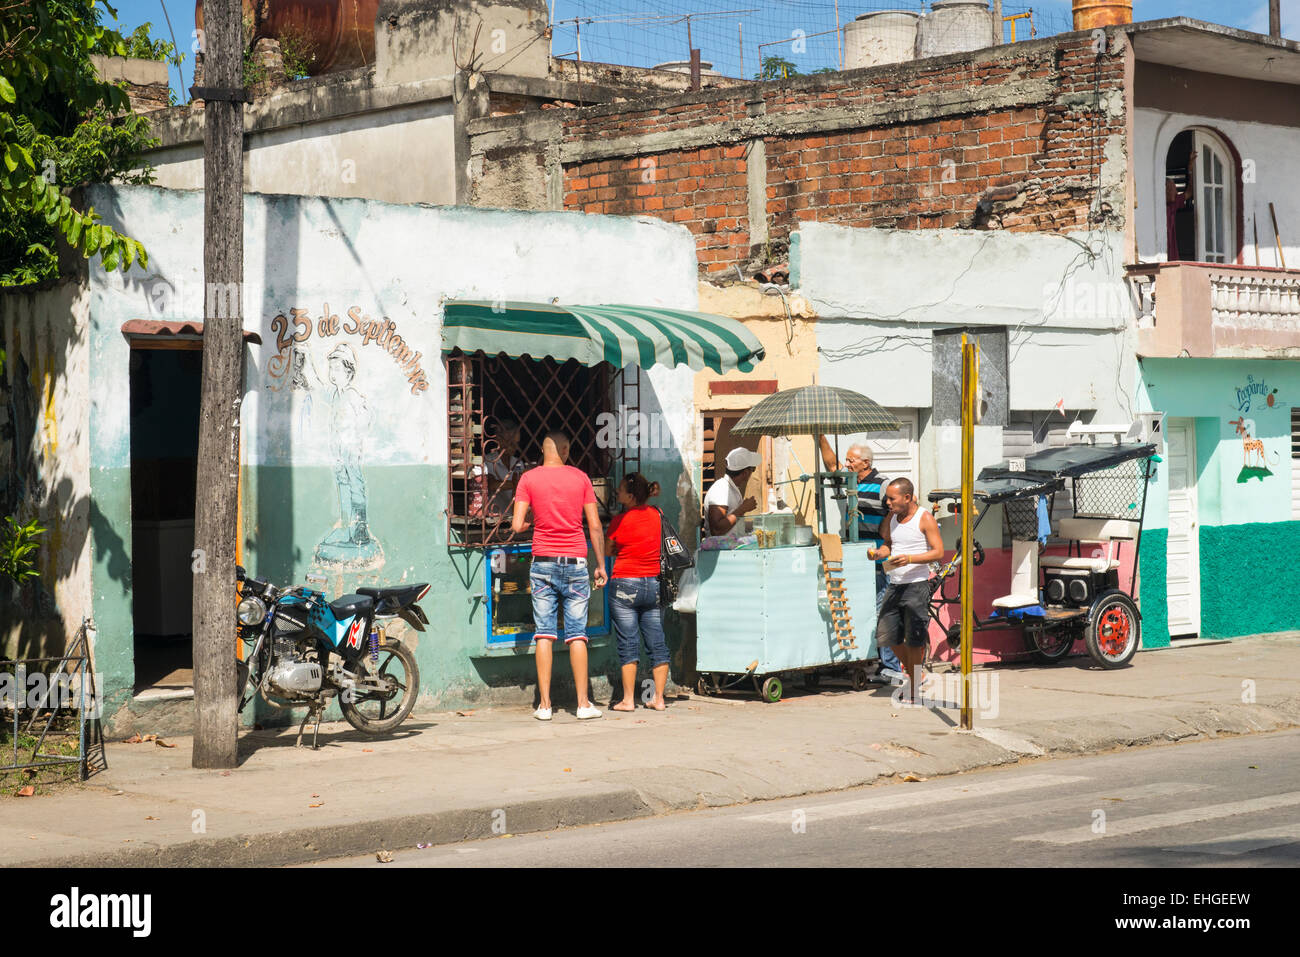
[[702, 686], [1053, 645], [860, 679], [812, 681], [772, 689], [1114, 630]]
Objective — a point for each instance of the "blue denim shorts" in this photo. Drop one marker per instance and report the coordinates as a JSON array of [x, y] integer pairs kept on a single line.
[[634, 606], [560, 590]]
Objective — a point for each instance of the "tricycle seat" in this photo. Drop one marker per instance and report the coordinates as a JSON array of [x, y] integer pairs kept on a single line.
[[1078, 563]]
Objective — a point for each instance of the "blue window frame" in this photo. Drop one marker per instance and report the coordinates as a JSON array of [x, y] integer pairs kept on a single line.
[[509, 603]]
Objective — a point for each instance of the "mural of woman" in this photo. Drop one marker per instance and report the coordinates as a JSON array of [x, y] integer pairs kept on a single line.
[[350, 543]]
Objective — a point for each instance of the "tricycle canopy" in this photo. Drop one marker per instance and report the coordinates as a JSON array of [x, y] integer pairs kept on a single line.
[[1046, 471]]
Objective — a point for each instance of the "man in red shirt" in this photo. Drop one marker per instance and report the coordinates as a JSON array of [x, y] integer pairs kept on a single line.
[[560, 496]]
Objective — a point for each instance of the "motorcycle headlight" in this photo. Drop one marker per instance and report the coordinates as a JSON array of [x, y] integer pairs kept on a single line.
[[251, 611]]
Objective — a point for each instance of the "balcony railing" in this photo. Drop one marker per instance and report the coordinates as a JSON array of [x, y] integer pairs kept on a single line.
[[1216, 310]]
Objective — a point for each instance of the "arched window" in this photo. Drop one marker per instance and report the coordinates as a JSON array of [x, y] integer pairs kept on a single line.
[[1200, 199]]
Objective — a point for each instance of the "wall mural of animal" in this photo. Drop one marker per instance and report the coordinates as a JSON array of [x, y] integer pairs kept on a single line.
[[1253, 454]]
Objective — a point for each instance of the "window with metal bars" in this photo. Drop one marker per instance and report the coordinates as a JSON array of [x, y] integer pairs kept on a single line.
[[499, 412]]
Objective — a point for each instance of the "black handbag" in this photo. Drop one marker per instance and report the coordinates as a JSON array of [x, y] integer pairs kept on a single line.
[[673, 558]]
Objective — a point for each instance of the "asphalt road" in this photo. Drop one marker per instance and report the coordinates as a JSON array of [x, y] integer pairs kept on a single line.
[[1232, 802]]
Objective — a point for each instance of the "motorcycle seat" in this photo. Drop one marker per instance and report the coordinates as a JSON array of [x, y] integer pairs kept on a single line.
[[351, 606], [401, 596]]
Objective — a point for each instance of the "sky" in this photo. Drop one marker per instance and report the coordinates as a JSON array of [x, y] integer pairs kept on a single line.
[[658, 32]]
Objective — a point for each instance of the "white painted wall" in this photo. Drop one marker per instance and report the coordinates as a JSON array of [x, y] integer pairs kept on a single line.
[[395, 262], [405, 154], [878, 295], [1271, 149]]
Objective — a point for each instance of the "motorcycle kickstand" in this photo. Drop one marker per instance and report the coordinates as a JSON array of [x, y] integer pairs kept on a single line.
[[316, 713]]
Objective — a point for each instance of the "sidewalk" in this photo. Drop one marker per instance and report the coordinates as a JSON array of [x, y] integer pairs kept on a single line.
[[447, 778]]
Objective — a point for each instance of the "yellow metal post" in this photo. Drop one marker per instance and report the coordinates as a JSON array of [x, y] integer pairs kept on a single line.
[[969, 389]]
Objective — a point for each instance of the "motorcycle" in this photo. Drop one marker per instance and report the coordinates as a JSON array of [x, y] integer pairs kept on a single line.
[[303, 649]]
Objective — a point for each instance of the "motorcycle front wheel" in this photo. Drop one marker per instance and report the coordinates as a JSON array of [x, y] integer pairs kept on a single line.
[[376, 712]]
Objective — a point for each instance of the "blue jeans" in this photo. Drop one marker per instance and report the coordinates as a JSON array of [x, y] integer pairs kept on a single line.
[[887, 656], [560, 589], [634, 606]]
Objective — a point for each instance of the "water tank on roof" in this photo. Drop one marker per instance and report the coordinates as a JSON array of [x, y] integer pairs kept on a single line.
[[955, 26], [339, 33], [886, 36]]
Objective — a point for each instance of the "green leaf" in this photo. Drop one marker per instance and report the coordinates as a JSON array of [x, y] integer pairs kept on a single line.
[[74, 230], [109, 259], [11, 163], [91, 245], [7, 91]]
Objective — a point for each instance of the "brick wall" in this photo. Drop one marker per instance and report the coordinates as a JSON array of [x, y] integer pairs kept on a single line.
[[705, 190], [1011, 138]]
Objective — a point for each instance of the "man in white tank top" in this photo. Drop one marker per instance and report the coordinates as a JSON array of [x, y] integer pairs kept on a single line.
[[911, 541]]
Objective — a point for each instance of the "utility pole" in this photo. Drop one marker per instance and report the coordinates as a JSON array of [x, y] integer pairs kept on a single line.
[[215, 531], [1275, 18]]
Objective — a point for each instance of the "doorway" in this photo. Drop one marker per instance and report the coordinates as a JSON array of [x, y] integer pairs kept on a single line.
[[165, 388], [1183, 562]]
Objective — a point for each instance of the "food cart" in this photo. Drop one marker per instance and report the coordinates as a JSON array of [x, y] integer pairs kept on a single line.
[[805, 604]]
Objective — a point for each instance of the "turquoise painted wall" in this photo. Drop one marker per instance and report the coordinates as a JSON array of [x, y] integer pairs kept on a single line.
[[1216, 392], [1153, 596], [324, 258], [1250, 580], [1243, 500]]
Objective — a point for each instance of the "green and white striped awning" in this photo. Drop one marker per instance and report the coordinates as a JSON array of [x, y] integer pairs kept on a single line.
[[644, 336]]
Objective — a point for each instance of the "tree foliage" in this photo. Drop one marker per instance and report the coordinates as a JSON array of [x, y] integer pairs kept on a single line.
[[60, 127]]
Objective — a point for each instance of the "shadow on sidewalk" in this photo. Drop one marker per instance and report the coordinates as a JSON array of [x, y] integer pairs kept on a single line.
[[251, 742]]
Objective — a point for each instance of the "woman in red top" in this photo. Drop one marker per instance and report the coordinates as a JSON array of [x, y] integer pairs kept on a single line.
[[634, 539]]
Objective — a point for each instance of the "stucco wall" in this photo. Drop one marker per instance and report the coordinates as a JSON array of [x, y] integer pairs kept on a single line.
[[879, 295], [397, 155], [364, 260], [1273, 165], [1246, 535], [45, 462]]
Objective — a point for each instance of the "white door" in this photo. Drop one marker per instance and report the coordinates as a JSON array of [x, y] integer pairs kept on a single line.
[[1295, 463], [1216, 221], [894, 454], [1183, 556]]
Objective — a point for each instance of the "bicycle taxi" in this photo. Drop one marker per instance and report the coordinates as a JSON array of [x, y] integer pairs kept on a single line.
[[1059, 599]]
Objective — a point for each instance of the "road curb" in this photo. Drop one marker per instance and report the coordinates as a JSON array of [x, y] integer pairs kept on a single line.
[[686, 790]]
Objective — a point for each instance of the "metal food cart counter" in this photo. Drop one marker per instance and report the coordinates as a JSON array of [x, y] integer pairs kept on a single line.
[[766, 616]]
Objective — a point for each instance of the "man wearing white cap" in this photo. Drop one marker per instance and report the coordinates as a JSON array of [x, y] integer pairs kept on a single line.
[[725, 504]]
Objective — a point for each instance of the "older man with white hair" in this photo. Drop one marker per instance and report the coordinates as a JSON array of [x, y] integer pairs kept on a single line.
[[872, 510]]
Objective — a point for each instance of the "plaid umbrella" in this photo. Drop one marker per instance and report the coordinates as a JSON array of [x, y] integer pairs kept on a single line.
[[815, 409]]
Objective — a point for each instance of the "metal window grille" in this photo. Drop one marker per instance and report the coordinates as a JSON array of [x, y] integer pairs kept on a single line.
[[486, 394]]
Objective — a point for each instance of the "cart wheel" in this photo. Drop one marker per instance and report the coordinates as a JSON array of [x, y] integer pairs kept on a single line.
[[954, 636], [772, 689], [1114, 629], [860, 679], [702, 686], [1054, 645], [812, 681]]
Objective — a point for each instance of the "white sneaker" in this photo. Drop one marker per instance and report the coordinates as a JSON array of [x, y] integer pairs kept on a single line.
[[542, 714], [590, 711]]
